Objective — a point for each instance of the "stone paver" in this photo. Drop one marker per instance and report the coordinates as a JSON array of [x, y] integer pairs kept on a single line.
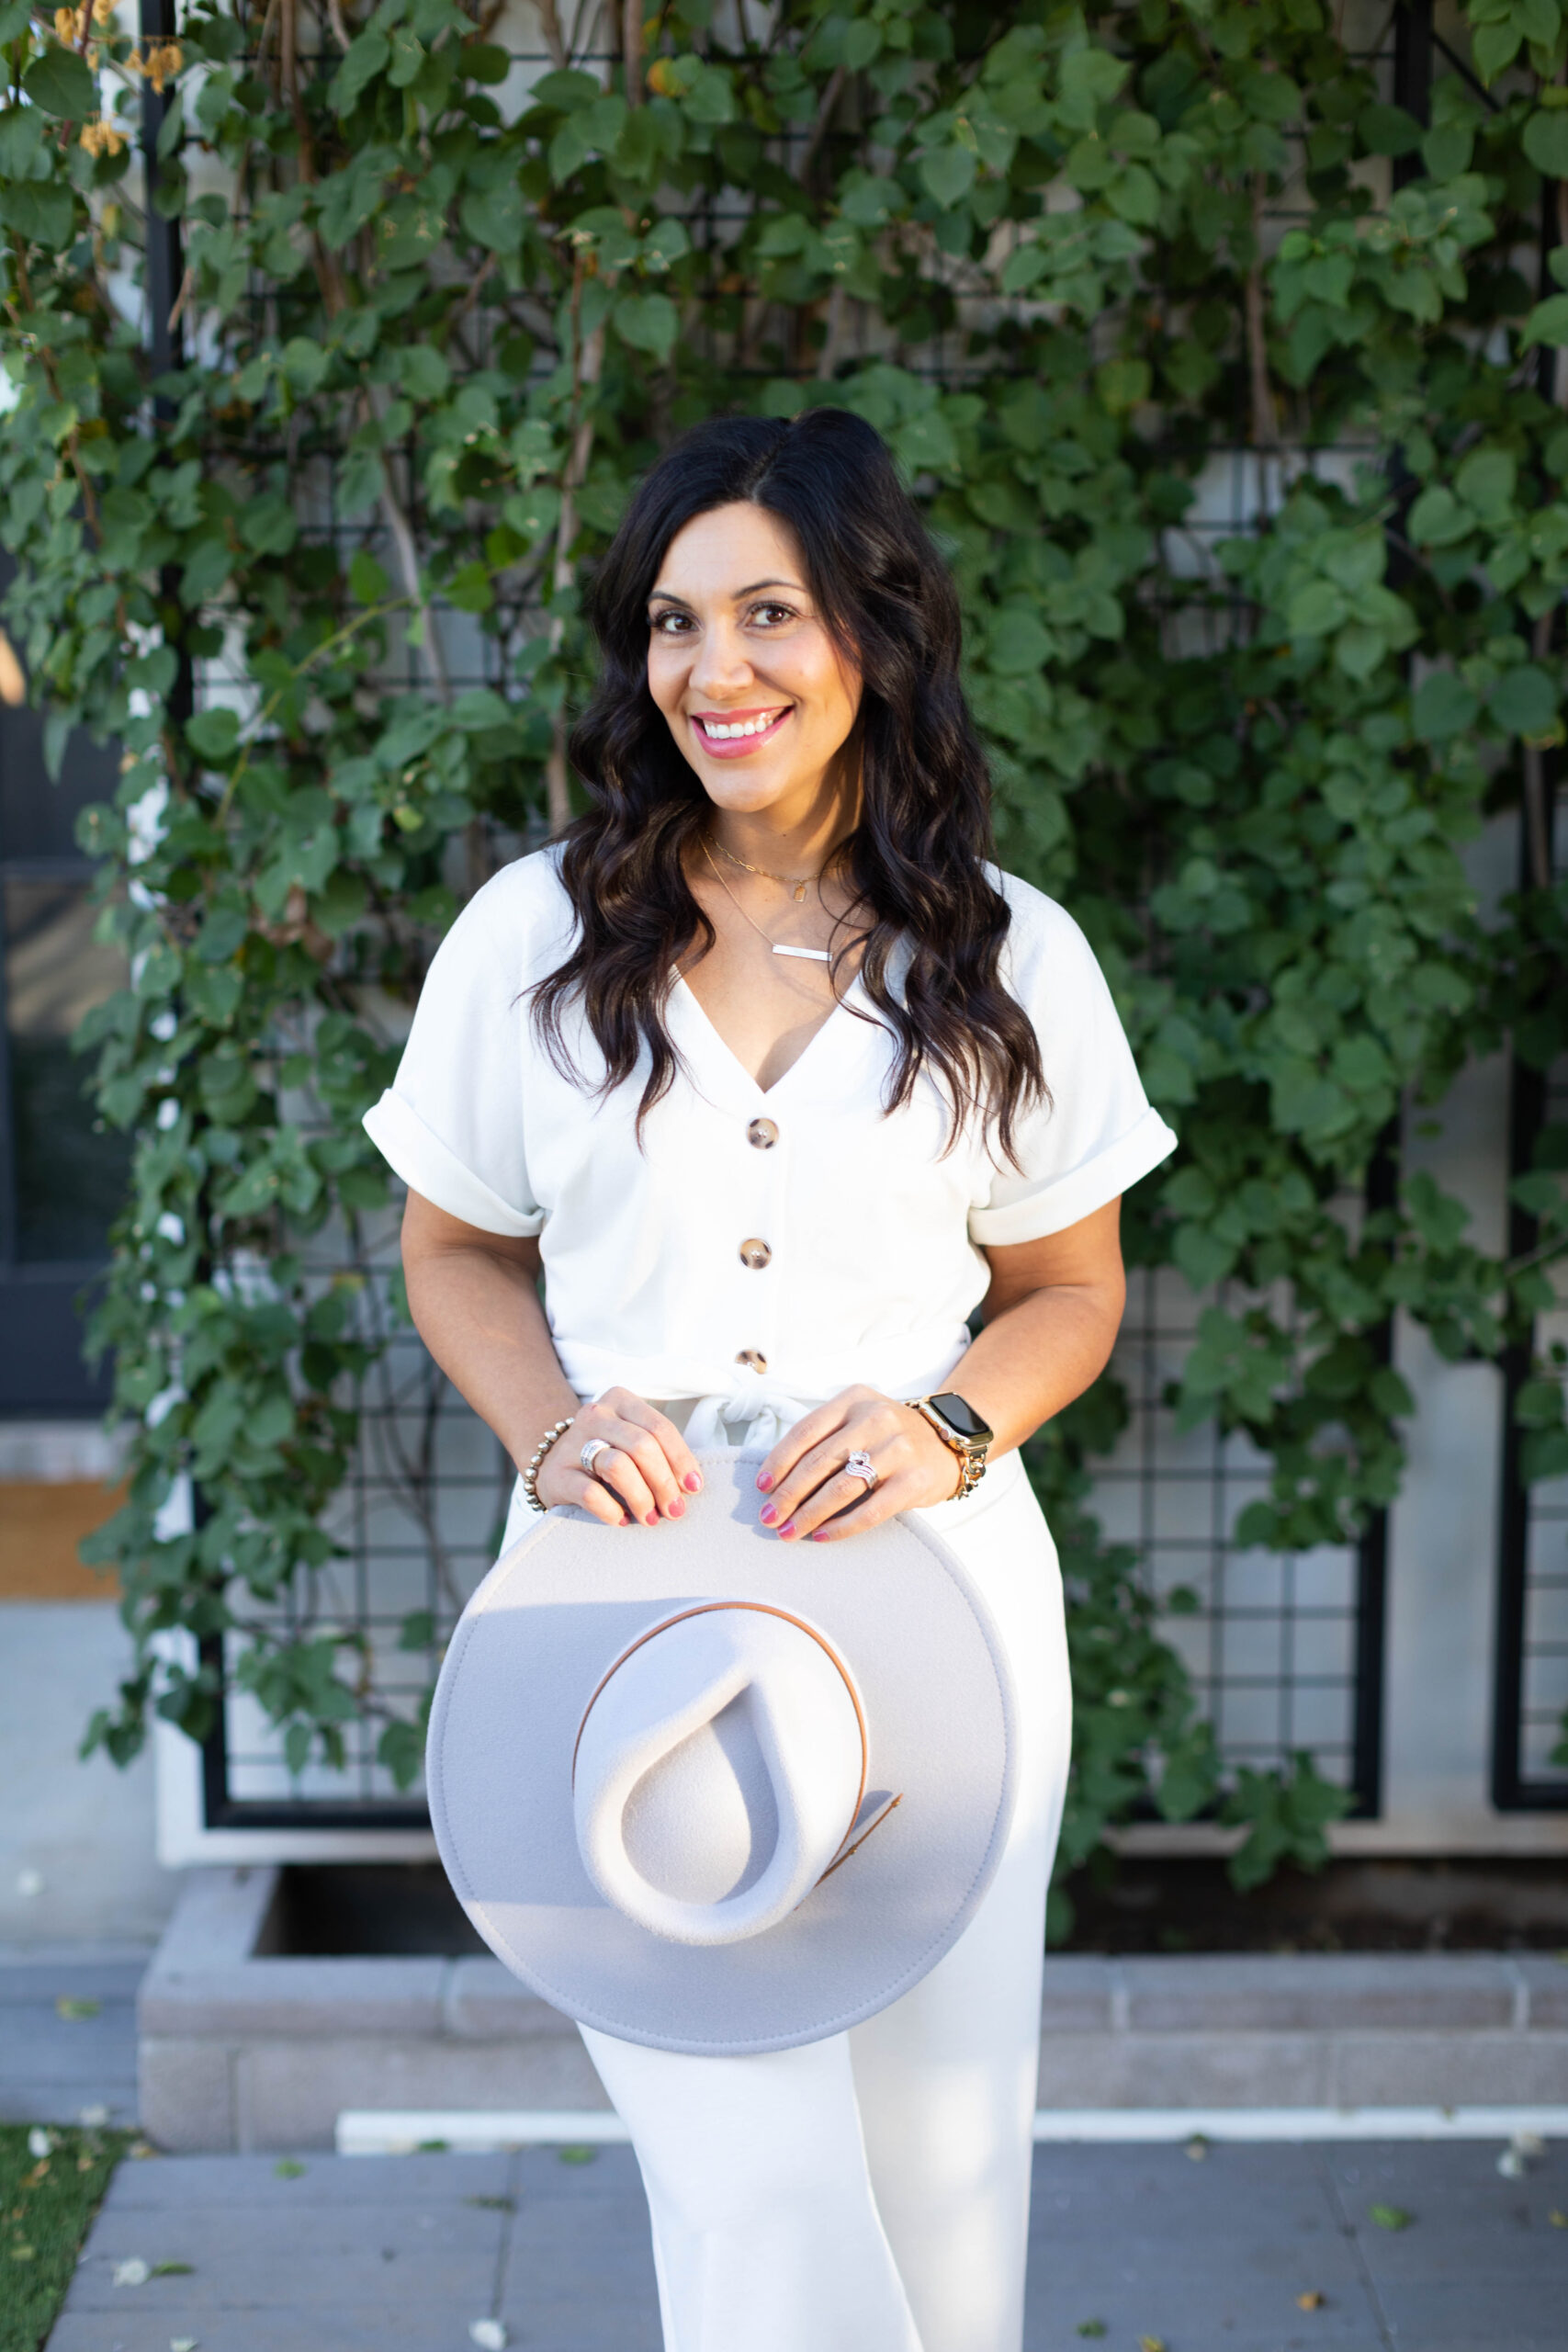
[[403, 2254], [52, 2066]]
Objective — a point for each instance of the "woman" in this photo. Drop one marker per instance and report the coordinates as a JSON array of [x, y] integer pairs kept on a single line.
[[775, 1080]]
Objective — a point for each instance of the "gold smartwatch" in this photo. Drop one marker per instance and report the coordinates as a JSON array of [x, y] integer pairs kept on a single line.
[[961, 1430]]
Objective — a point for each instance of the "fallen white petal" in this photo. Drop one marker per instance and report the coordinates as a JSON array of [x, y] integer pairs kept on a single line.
[[1511, 2165], [93, 2119], [182, 2343], [39, 2142], [1527, 2144], [131, 2273], [28, 1884], [489, 2335]]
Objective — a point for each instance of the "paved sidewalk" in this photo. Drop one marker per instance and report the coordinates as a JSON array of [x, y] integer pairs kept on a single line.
[[403, 2254]]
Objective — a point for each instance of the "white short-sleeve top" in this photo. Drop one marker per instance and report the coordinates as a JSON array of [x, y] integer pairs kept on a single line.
[[796, 1238]]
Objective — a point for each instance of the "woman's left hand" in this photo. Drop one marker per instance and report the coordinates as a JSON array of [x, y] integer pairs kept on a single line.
[[810, 1493]]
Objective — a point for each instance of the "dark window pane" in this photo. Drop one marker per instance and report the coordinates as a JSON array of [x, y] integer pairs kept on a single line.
[[39, 818], [70, 1177]]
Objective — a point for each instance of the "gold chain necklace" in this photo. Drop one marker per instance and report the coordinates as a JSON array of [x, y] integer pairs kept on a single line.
[[787, 881], [806, 955]]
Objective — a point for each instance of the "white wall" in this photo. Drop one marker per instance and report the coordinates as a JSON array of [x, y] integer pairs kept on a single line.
[[76, 1840]]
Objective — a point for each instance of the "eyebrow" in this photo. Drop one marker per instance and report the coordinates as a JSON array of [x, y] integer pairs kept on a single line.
[[667, 596]]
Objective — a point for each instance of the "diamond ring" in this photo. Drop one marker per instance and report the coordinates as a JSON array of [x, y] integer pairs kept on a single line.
[[591, 1451], [861, 1465]]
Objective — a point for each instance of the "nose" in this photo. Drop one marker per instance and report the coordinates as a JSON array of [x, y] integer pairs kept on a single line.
[[723, 665]]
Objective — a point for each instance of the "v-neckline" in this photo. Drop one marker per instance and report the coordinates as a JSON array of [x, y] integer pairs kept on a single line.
[[754, 1086]]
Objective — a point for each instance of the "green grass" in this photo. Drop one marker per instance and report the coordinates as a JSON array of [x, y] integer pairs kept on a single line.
[[47, 2204]]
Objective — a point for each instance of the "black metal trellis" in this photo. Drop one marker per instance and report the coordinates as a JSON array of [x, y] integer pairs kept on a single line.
[[1294, 1659], [61, 1175], [1284, 1649], [1529, 1708], [1531, 1684]]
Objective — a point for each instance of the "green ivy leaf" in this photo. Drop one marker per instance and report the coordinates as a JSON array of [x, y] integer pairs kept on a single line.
[[1495, 46], [369, 584], [1548, 323], [947, 174], [61, 84], [366, 56], [1388, 131], [40, 212], [647, 323], [1018, 642], [1437, 519], [1122, 384], [1524, 701], [568, 91], [493, 217], [305, 364], [213, 734], [1545, 141], [470, 589], [405, 58], [423, 373], [710, 98], [485, 63], [1443, 706]]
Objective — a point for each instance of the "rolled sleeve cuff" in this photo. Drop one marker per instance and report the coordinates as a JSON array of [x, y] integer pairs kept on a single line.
[[428, 1166], [1067, 1199]]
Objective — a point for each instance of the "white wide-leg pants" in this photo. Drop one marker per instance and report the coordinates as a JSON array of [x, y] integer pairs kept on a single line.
[[870, 2193]]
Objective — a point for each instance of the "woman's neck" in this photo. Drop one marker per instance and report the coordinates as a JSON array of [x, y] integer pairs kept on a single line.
[[793, 840]]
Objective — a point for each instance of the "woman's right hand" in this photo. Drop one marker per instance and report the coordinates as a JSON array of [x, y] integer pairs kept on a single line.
[[643, 1474]]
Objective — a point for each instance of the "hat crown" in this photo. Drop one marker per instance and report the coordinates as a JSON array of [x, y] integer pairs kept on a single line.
[[719, 1767]]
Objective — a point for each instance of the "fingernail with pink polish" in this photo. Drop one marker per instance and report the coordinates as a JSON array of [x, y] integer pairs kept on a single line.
[[819, 1537], [769, 1513], [788, 1527], [764, 1480], [692, 1483], [652, 1520], [677, 1510]]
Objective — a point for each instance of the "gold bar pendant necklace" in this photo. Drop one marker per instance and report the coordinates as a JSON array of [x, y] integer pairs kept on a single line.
[[806, 955]]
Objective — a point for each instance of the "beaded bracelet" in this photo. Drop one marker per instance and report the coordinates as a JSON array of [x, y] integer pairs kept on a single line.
[[537, 1461]]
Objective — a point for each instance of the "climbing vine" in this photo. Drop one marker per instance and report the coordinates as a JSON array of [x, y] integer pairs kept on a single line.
[[438, 310]]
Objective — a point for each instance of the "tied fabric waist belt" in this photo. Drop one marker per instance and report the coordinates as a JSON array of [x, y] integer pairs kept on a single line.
[[766, 1414]]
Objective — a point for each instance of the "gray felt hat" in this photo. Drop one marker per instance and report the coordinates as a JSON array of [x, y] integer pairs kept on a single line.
[[715, 1794]]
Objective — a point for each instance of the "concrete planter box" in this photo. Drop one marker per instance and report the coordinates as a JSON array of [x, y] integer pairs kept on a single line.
[[238, 2048], [241, 2048]]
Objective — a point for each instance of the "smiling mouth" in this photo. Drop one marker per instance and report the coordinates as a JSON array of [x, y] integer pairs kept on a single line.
[[742, 728]]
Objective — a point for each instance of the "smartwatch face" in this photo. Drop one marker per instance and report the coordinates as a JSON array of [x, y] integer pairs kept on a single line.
[[961, 1419]]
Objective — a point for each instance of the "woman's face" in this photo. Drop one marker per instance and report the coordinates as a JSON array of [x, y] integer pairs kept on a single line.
[[755, 692]]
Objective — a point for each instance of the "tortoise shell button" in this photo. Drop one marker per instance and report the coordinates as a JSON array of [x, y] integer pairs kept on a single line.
[[761, 1135], [753, 1359], [755, 1254]]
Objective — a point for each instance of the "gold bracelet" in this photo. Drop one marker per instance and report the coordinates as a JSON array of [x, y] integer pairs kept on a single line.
[[537, 1461], [971, 1462]]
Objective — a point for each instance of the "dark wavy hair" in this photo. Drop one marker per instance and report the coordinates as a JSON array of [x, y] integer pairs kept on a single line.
[[932, 923]]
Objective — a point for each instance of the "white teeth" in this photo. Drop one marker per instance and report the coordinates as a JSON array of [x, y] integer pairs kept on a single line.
[[721, 732]]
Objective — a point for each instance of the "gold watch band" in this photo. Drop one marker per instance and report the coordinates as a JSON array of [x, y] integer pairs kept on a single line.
[[970, 1458]]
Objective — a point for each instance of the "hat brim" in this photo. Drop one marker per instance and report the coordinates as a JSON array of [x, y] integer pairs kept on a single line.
[[528, 1654]]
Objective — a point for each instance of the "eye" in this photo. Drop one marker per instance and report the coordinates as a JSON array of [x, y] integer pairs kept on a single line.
[[668, 624], [773, 615]]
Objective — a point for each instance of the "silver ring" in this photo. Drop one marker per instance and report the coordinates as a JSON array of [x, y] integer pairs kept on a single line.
[[591, 1451], [861, 1465]]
